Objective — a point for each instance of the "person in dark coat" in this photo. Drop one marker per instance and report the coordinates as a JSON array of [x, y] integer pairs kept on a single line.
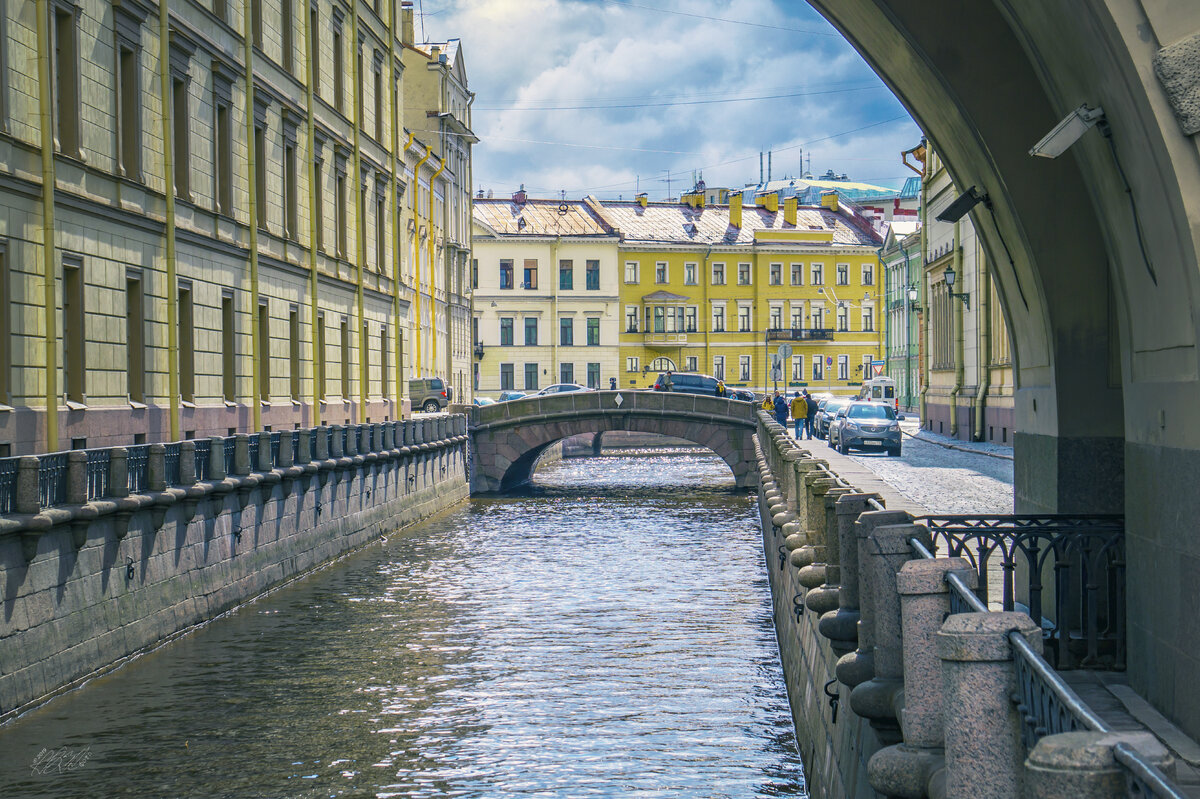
[[812, 415], [781, 409]]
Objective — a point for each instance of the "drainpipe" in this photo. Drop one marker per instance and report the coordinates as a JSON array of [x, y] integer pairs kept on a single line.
[[983, 297], [702, 278], [397, 237], [49, 183], [360, 222], [433, 276], [959, 355], [252, 207], [922, 312], [314, 197], [417, 255], [168, 131]]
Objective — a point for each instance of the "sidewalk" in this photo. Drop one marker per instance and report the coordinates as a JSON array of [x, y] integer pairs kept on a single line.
[[911, 427]]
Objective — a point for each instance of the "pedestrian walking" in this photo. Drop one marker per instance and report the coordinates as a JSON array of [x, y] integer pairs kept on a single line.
[[781, 409], [612, 384], [811, 419], [799, 413]]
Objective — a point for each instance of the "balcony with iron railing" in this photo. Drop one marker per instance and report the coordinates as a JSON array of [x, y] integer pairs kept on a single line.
[[799, 334]]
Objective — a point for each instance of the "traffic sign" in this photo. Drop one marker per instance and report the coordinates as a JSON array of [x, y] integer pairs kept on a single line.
[[785, 350], [829, 360], [877, 367]]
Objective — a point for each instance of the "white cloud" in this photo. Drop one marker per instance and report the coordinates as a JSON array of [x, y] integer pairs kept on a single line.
[[572, 53]]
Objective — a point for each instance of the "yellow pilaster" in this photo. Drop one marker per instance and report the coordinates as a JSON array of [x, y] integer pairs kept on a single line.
[[252, 205], [314, 197], [360, 226], [168, 133], [50, 301], [433, 278], [417, 258]]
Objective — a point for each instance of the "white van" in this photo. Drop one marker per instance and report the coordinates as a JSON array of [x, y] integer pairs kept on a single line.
[[879, 389]]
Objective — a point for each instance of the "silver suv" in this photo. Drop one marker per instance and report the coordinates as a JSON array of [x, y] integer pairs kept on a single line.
[[864, 425], [430, 394]]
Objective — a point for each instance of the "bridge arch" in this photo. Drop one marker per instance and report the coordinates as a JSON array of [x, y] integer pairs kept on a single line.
[[1095, 255], [508, 437]]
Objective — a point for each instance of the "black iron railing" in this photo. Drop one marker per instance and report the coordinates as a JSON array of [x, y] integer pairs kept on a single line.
[[138, 466], [230, 452], [171, 453], [276, 438], [203, 457], [52, 479], [97, 473], [8, 485], [1066, 572], [253, 448]]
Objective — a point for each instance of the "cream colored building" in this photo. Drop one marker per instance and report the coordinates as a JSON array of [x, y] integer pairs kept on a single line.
[[546, 295], [235, 227]]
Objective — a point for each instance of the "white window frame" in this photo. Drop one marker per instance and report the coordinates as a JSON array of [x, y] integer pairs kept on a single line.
[[631, 271], [798, 368], [662, 272], [797, 271], [718, 265], [749, 273], [868, 274], [718, 310], [843, 275], [690, 273], [631, 364], [744, 368], [719, 367], [843, 366]]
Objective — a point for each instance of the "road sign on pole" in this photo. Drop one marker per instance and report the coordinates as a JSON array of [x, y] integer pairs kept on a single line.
[[785, 351]]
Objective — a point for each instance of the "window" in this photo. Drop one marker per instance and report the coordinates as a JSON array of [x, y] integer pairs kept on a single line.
[[74, 319], [506, 377], [228, 348], [689, 274], [818, 318], [566, 373], [531, 331], [776, 278], [506, 331], [776, 317], [260, 175], [566, 333], [718, 274], [287, 34], [718, 319], [314, 55], [593, 275], [691, 363], [378, 95], [256, 24], [187, 344], [744, 318], [631, 364], [631, 318], [339, 207], [530, 274], [380, 230], [345, 343], [135, 345], [566, 275], [798, 368], [797, 317], [291, 202], [818, 368], [339, 66], [66, 81], [661, 273], [264, 351], [689, 319], [843, 364], [224, 158], [866, 367], [129, 112], [319, 359], [868, 274], [181, 124], [818, 275], [593, 332], [383, 362], [843, 319], [474, 273], [719, 367], [506, 273], [294, 352], [531, 377], [797, 274], [843, 274], [868, 320], [744, 368], [593, 375], [743, 274], [631, 272]]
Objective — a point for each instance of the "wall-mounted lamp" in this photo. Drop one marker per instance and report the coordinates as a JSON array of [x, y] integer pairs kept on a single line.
[[965, 202], [1068, 131], [913, 296], [950, 275]]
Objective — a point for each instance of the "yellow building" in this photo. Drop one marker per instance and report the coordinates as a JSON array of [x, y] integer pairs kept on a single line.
[[718, 289]]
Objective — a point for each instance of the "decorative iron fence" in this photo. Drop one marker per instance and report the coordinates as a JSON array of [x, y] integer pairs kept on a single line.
[[230, 454], [276, 438], [171, 454], [52, 479], [203, 457], [295, 445], [8, 484], [1082, 609], [138, 464], [253, 452], [98, 461]]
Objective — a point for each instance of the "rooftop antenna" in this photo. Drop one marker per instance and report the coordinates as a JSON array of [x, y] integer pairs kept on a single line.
[[424, 38], [760, 167], [768, 166]]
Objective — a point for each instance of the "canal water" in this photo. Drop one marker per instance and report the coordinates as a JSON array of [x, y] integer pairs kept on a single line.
[[608, 633]]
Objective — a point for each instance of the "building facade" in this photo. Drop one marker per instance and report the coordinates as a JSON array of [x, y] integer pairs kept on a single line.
[[546, 295], [216, 228], [900, 259], [967, 388]]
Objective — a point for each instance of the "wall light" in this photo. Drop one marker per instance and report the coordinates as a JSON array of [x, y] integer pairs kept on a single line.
[[950, 275], [965, 202], [1068, 131]]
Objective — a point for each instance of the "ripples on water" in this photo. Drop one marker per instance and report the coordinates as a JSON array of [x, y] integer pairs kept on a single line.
[[607, 634]]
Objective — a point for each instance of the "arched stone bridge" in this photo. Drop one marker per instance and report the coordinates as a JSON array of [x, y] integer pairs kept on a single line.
[[508, 437]]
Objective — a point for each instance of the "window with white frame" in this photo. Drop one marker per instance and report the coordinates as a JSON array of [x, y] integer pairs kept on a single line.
[[776, 276], [843, 319], [776, 317], [798, 368], [868, 274], [818, 369], [689, 318], [718, 319], [719, 367], [631, 319], [843, 364], [744, 319], [744, 368], [743, 274], [818, 317], [718, 274], [661, 274], [797, 315], [691, 363], [868, 320], [797, 274], [843, 274], [818, 275], [867, 374], [631, 364], [689, 274], [631, 272]]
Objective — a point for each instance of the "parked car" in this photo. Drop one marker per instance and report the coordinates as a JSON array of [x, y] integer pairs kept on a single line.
[[481, 401], [430, 394], [825, 413], [691, 383], [505, 396], [862, 425], [742, 394], [561, 388]]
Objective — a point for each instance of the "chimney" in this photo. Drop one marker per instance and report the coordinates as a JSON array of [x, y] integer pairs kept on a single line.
[[789, 211], [642, 199], [520, 197], [768, 200], [735, 209], [406, 21], [829, 199]]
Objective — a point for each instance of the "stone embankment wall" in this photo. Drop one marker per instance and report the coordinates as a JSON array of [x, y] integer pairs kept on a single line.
[[893, 692], [87, 584]]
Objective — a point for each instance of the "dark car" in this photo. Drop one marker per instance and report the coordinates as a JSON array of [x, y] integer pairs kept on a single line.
[[862, 425], [505, 396], [691, 383], [825, 414], [742, 394]]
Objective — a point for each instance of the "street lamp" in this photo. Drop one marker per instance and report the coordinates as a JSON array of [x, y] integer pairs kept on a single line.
[[912, 297], [950, 275]]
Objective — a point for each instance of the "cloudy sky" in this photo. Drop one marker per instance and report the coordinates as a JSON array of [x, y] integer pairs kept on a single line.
[[607, 97]]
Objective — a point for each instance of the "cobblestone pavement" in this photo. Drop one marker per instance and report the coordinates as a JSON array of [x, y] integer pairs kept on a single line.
[[942, 480]]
